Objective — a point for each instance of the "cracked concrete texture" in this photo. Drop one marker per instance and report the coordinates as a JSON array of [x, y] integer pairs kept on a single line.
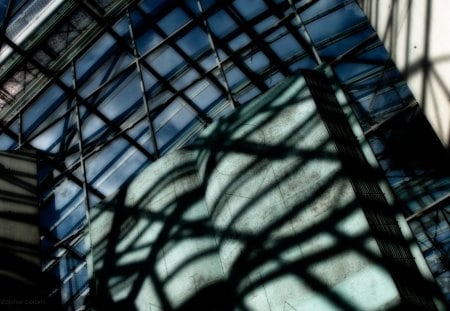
[[260, 206]]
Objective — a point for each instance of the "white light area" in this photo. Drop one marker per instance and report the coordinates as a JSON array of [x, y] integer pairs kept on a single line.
[[47, 140], [35, 22]]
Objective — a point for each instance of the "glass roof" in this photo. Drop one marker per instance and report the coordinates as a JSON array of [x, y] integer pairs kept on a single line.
[[103, 88]]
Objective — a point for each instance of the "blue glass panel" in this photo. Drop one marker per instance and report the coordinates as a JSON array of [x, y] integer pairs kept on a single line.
[[192, 4], [345, 44], [336, 22], [286, 47], [92, 127], [210, 61], [6, 142], [274, 79], [121, 26], [248, 95], [257, 62], [250, 8], [72, 222], [319, 7], [185, 79], [239, 41], [46, 104], [304, 63], [194, 42], [50, 139], [123, 99], [170, 122], [94, 54], [150, 6], [142, 134], [130, 163], [105, 161], [235, 77], [166, 62], [174, 20], [147, 41], [150, 81], [221, 24], [67, 77], [204, 94], [160, 99], [266, 24]]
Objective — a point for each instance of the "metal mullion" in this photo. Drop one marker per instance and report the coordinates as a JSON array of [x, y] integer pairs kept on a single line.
[[247, 49], [226, 87], [374, 128], [6, 19], [112, 79], [69, 7], [37, 133], [183, 30], [182, 90], [102, 117], [237, 62], [80, 141], [364, 25], [194, 64], [364, 76], [91, 150], [61, 63], [98, 147], [200, 114], [203, 20], [257, 40], [328, 11], [304, 40], [395, 82], [114, 127], [20, 137], [51, 75], [57, 165], [106, 83], [143, 88]]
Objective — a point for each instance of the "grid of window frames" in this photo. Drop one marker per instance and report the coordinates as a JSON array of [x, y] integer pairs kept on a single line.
[[103, 88]]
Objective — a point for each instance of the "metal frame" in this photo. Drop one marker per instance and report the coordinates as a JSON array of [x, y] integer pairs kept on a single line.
[[49, 66]]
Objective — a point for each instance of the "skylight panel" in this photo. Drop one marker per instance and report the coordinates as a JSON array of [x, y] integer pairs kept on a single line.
[[27, 21], [250, 8], [174, 20]]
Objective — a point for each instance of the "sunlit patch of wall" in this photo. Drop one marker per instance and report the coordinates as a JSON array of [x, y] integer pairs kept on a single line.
[[274, 206], [416, 34]]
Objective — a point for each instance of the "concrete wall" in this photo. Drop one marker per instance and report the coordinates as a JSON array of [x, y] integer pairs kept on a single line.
[[20, 265], [258, 214], [416, 34]]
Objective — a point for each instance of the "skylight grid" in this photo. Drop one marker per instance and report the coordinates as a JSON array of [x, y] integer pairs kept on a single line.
[[189, 67]]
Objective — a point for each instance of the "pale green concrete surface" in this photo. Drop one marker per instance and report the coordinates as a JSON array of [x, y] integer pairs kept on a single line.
[[257, 214]]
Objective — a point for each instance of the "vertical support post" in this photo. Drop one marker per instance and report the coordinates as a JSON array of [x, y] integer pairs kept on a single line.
[[80, 137], [20, 136], [305, 33], [87, 206], [234, 103], [142, 86]]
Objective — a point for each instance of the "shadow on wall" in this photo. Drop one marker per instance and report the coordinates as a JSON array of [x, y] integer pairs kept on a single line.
[[414, 32], [258, 213], [22, 284]]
